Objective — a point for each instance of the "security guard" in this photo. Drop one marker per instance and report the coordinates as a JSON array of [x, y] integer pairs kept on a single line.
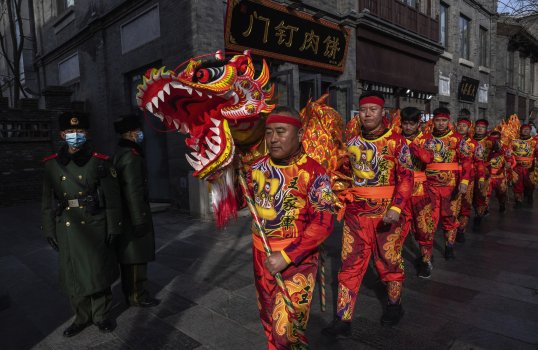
[[81, 215], [136, 247]]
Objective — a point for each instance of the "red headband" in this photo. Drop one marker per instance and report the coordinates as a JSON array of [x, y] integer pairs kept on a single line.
[[482, 122], [525, 126], [286, 119], [465, 121], [372, 99], [442, 115]]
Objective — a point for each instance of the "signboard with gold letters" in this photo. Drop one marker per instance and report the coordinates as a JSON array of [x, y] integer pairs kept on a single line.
[[467, 89], [272, 30]]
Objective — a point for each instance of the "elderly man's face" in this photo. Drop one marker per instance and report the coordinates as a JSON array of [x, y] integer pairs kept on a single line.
[[282, 139]]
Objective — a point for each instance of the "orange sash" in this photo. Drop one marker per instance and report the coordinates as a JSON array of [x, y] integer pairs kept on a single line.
[[419, 176], [374, 192], [443, 166], [275, 244], [524, 159]]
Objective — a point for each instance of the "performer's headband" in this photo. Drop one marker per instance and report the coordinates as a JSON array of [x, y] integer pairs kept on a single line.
[[372, 99], [285, 119], [464, 121], [482, 122], [525, 126], [441, 115]]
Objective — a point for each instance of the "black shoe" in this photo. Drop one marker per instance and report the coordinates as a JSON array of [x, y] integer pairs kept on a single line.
[[146, 302], [449, 253], [502, 208], [425, 269], [460, 237], [392, 315], [74, 329], [106, 326], [337, 329]]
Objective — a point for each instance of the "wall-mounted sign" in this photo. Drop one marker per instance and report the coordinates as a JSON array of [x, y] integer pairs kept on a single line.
[[270, 29], [467, 89]]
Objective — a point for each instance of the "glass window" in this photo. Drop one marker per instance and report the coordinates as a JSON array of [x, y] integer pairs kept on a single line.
[[140, 30], [443, 25], [464, 37], [483, 38], [68, 69]]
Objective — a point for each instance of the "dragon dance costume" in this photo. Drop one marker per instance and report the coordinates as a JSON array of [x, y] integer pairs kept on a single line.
[[382, 180], [476, 178], [501, 160], [419, 209], [295, 203], [480, 197], [444, 175], [524, 151]]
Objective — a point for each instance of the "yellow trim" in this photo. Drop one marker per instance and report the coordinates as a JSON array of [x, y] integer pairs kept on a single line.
[[481, 179], [387, 134], [285, 256], [465, 182], [396, 209]]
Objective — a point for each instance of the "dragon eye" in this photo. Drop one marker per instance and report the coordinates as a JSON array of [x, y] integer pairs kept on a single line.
[[206, 75]]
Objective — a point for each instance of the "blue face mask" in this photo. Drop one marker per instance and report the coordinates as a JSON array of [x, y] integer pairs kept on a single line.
[[75, 139], [139, 136]]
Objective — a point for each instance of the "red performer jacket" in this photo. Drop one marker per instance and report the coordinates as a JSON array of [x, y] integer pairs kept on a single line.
[[500, 161], [486, 144], [420, 156], [381, 173], [295, 205], [478, 159], [450, 151], [525, 151]]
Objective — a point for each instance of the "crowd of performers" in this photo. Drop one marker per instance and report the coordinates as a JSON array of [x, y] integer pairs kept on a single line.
[[399, 180]]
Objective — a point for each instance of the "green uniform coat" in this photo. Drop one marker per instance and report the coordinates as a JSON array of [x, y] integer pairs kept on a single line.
[[129, 163], [87, 264]]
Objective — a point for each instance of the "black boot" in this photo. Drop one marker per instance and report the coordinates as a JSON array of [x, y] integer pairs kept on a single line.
[[392, 315], [460, 237], [449, 253], [425, 269], [106, 326], [74, 329], [502, 208], [337, 329]]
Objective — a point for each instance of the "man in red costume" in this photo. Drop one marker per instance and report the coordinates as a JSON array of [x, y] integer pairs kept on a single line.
[[524, 150], [294, 201], [418, 211], [448, 182], [382, 183], [501, 160], [476, 182], [480, 197]]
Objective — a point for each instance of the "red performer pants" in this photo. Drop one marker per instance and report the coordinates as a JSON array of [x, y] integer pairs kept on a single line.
[[363, 236], [466, 206], [447, 208], [481, 198], [500, 186], [418, 215], [524, 183], [300, 282]]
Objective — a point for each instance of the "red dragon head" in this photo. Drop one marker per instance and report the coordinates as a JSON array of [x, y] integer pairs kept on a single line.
[[205, 100]]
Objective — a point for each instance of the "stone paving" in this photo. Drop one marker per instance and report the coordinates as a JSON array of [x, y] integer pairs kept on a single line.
[[486, 299]]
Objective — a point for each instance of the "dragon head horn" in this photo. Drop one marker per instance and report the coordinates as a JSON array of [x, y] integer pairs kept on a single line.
[[219, 55], [323, 98]]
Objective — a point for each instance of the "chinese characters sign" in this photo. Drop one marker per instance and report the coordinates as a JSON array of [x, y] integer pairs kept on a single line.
[[468, 88], [269, 29]]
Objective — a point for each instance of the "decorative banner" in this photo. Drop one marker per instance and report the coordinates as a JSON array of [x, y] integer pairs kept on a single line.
[[467, 89], [272, 30]]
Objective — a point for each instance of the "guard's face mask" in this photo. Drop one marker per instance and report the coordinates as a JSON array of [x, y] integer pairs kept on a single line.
[[139, 136], [75, 139]]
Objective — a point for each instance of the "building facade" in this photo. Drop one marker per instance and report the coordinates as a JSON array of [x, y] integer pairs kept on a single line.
[[517, 64]]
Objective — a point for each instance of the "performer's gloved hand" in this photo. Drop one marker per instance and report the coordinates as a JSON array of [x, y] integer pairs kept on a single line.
[[463, 188], [275, 263], [391, 217], [53, 243], [140, 230], [111, 239]]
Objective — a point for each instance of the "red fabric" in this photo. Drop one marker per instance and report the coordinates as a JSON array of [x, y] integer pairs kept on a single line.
[[447, 205], [363, 237], [500, 186], [448, 148], [300, 281], [442, 115], [464, 121], [482, 122], [100, 156], [285, 119], [52, 156], [372, 99]]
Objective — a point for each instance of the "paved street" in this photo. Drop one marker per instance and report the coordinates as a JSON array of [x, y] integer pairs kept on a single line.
[[486, 299]]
